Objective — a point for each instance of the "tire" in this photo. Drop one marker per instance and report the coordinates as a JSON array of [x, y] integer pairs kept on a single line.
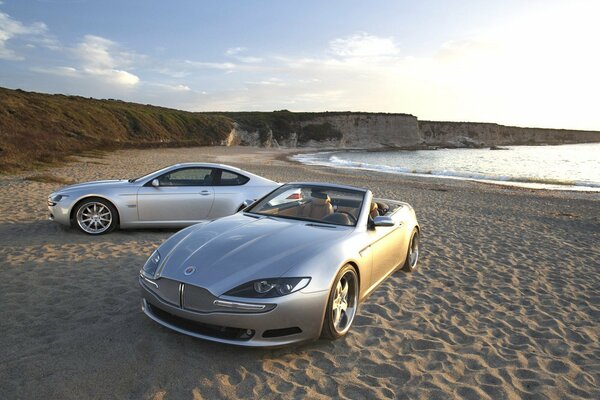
[[95, 216], [412, 254], [339, 315]]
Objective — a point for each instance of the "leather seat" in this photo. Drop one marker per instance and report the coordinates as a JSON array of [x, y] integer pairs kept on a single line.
[[319, 206]]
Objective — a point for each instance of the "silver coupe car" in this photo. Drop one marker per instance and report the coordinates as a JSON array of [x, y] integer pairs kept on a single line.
[[176, 196], [291, 267]]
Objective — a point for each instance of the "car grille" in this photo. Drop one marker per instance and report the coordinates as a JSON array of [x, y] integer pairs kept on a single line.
[[193, 298], [216, 331]]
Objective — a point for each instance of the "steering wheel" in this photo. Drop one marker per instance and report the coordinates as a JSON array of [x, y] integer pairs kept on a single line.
[[352, 219]]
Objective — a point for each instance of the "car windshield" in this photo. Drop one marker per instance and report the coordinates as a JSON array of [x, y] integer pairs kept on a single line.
[[323, 204]]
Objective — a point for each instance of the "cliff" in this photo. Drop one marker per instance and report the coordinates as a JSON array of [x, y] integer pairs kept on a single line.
[[474, 134], [42, 128], [329, 129], [378, 130]]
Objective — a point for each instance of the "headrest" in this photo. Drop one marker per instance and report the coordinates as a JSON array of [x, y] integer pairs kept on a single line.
[[319, 198]]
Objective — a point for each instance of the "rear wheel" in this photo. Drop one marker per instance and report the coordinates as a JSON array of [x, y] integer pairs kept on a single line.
[[96, 216], [342, 304], [412, 255]]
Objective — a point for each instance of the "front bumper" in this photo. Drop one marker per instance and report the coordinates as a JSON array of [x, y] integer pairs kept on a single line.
[[295, 318], [59, 213]]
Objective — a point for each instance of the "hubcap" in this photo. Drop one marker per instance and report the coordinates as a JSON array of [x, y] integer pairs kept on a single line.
[[343, 306], [94, 217], [413, 255]]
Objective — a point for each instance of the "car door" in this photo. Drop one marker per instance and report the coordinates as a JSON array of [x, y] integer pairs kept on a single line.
[[182, 195], [230, 191], [386, 247]]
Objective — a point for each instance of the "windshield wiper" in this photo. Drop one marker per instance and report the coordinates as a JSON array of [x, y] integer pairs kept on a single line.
[[322, 226]]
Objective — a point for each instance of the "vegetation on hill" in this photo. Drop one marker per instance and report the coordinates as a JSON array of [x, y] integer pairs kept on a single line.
[[40, 128]]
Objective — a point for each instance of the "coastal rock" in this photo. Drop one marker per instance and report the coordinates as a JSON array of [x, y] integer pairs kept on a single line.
[[402, 131], [363, 130]]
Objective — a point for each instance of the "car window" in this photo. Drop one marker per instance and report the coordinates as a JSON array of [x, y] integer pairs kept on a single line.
[[229, 178], [187, 177]]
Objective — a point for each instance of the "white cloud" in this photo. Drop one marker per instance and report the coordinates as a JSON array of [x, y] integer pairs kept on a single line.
[[210, 65], [363, 45], [99, 60], [10, 29], [177, 88], [103, 58], [235, 50]]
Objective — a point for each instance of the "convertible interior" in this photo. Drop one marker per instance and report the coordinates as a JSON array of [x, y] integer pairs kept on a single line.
[[324, 205]]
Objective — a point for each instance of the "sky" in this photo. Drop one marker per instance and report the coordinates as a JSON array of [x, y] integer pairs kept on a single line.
[[524, 63]]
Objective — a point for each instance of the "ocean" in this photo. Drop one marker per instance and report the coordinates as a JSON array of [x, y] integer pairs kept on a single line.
[[563, 167]]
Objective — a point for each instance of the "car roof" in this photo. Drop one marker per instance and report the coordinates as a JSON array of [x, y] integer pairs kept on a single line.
[[204, 164], [329, 185]]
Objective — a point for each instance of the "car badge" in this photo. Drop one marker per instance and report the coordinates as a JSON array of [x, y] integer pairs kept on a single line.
[[189, 270]]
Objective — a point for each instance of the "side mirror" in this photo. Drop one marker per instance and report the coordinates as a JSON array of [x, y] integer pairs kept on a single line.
[[382, 220], [155, 183], [247, 203]]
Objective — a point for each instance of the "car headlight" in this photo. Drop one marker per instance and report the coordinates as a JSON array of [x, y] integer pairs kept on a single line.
[[271, 287], [151, 265], [56, 198]]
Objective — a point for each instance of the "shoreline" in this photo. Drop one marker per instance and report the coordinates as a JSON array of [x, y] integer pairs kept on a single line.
[[503, 304], [509, 182]]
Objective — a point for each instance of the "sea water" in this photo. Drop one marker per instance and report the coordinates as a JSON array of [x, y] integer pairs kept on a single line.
[[564, 167]]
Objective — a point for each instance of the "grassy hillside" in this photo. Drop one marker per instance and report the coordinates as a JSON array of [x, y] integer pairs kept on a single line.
[[40, 128]]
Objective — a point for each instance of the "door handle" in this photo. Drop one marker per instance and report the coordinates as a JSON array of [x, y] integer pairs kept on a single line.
[[205, 193]]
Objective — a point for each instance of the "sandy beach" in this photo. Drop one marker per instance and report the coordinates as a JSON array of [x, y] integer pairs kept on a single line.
[[505, 303]]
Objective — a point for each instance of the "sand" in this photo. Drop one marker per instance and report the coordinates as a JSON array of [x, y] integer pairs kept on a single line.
[[505, 303]]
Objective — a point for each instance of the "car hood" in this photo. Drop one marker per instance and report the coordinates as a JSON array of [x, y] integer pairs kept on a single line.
[[94, 184], [234, 250]]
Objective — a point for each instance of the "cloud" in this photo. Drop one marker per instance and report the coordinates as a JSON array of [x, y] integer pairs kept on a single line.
[[11, 29], [103, 58], [98, 59], [175, 88], [235, 50], [363, 45], [211, 65]]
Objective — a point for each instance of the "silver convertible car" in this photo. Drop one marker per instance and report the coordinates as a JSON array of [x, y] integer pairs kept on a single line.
[[176, 196], [291, 267]]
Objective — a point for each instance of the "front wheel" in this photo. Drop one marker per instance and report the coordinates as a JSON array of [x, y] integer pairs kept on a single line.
[[412, 255], [96, 216], [342, 304]]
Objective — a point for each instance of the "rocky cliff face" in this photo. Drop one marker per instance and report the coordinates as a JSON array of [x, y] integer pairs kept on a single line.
[[473, 134], [352, 130], [370, 131]]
